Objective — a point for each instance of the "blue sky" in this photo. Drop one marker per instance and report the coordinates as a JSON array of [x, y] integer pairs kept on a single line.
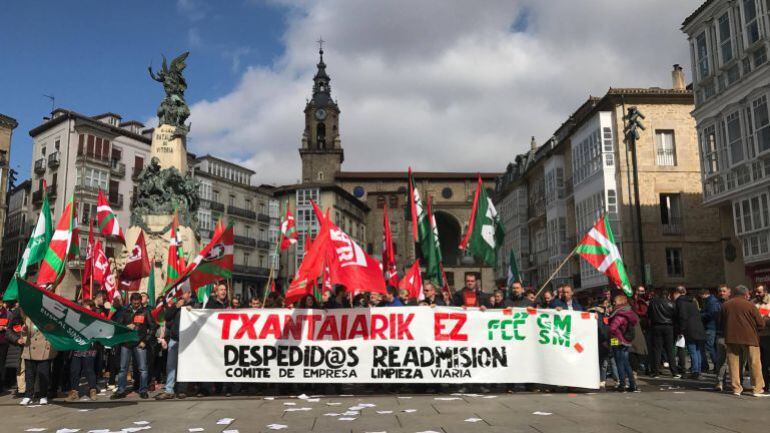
[[418, 83], [93, 55]]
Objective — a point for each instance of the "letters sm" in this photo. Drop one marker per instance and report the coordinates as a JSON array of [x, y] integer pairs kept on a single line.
[[389, 345]]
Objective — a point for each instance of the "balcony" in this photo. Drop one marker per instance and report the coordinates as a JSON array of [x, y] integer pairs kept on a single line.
[[51, 191], [673, 227], [37, 197], [719, 185], [243, 213], [92, 158], [115, 200], [263, 218], [87, 189], [665, 157], [54, 159], [245, 241], [40, 166], [263, 245], [213, 205], [117, 169], [251, 270]]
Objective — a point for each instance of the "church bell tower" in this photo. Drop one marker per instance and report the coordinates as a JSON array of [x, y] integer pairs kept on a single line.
[[321, 150]]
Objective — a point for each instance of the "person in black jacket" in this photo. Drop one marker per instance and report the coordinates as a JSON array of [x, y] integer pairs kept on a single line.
[[661, 313], [219, 300], [139, 319], [688, 324], [431, 297], [170, 341]]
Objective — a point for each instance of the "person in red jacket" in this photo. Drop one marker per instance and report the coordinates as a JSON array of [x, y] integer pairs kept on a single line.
[[622, 323]]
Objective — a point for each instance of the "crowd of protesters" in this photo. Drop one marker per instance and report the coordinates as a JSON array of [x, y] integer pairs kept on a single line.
[[686, 333]]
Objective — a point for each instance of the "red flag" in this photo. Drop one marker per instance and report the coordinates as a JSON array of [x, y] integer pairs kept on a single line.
[[308, 241], [472, 221], [137, 262], [388, 254], [101, 265], [318, 214], [310, 268], [349, 265], [288, 231], [412, 281], [88, 264], [218, 263], [272, 286], [106, 218]]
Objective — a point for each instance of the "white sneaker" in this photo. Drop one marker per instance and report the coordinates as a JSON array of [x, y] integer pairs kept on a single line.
[[43, 401], [665, 364], [25, 401], [760, 394]]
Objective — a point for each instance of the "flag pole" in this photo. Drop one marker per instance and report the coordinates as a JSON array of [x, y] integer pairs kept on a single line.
[[563, 262], [272, 265]]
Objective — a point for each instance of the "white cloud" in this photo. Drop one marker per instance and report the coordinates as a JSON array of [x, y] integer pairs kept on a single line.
[[440, 85]]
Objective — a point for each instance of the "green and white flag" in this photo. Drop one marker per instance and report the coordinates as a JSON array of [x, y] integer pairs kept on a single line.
[[513, 270], [67, 325], [485, 230], [425, 232], [36, 248], [204, 293]]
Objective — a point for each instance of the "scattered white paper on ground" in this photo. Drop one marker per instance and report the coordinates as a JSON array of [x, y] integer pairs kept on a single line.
[[404, 396], [230, 431], [195, 429], [409, 410], [83, 410], [268, 398], [383, 412], [489, 396], [346, 419], [346, 395], [34, 405], [134, 429], [428, 431], [678, 392], [350, 413], [276, 426], [35, 429], [303, 397], [541, 413], [68, 430], [447, 398], [297, 409], [473, 420], [331, 414], [333, 404], [141, 422], [101, 430], [290, 403], [312, 400], [225, 421]]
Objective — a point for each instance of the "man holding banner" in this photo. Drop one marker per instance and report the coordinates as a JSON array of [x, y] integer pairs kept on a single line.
[[137, 318]]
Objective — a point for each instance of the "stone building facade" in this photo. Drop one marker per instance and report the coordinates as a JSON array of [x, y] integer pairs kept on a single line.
[[7, 125], [729, 43], [226, 192], [356, 199], [550, 196], [19, 223]]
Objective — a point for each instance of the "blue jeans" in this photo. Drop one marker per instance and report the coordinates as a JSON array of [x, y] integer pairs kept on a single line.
[[711, 347], [140, 358], [624, 366], [171, 363], [695, 360]]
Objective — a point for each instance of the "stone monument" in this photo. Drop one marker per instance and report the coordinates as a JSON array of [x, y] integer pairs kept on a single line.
[[165, 186]]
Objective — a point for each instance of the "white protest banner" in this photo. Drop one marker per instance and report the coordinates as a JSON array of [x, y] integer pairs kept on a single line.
[[389, 345]]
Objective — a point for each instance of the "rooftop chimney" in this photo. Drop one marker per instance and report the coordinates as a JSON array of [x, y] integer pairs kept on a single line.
[[677, 78], [533, 143]]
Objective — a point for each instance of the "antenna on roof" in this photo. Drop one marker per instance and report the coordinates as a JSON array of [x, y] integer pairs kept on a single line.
[[53, 102]]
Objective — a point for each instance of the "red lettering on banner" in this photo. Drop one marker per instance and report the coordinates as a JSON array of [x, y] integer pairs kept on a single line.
[[311, 319], [379, 326], [226, 319], [272, 327], [454, 334], [247, 326], [329, 327], [358, 328], [293, 327], [403, 327]]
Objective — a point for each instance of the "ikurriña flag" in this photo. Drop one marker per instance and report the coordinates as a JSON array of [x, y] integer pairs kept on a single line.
[[64, 243], [218, 263], [106, 219], [599, 249], [289, 233]]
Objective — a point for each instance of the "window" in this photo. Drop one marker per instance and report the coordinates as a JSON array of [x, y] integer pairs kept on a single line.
[[734, 136], [671, 213], [751, 214], [204, 219], [725, 43], [701, 55], [761, 124], [92, 177], [586, 157], [231, 200], [751, 20], [215, 196], [305, 195], [246, 259], [709, 145], [674, 266], [612, 201], [204, 190], [665, 149]]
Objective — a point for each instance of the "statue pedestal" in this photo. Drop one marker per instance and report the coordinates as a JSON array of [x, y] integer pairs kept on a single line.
[[157, 240], [171, 151]]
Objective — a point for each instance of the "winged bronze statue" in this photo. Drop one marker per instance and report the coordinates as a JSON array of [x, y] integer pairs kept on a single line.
[[173, 110]]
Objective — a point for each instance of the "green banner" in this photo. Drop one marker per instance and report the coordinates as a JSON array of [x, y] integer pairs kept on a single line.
[[66, 325]]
